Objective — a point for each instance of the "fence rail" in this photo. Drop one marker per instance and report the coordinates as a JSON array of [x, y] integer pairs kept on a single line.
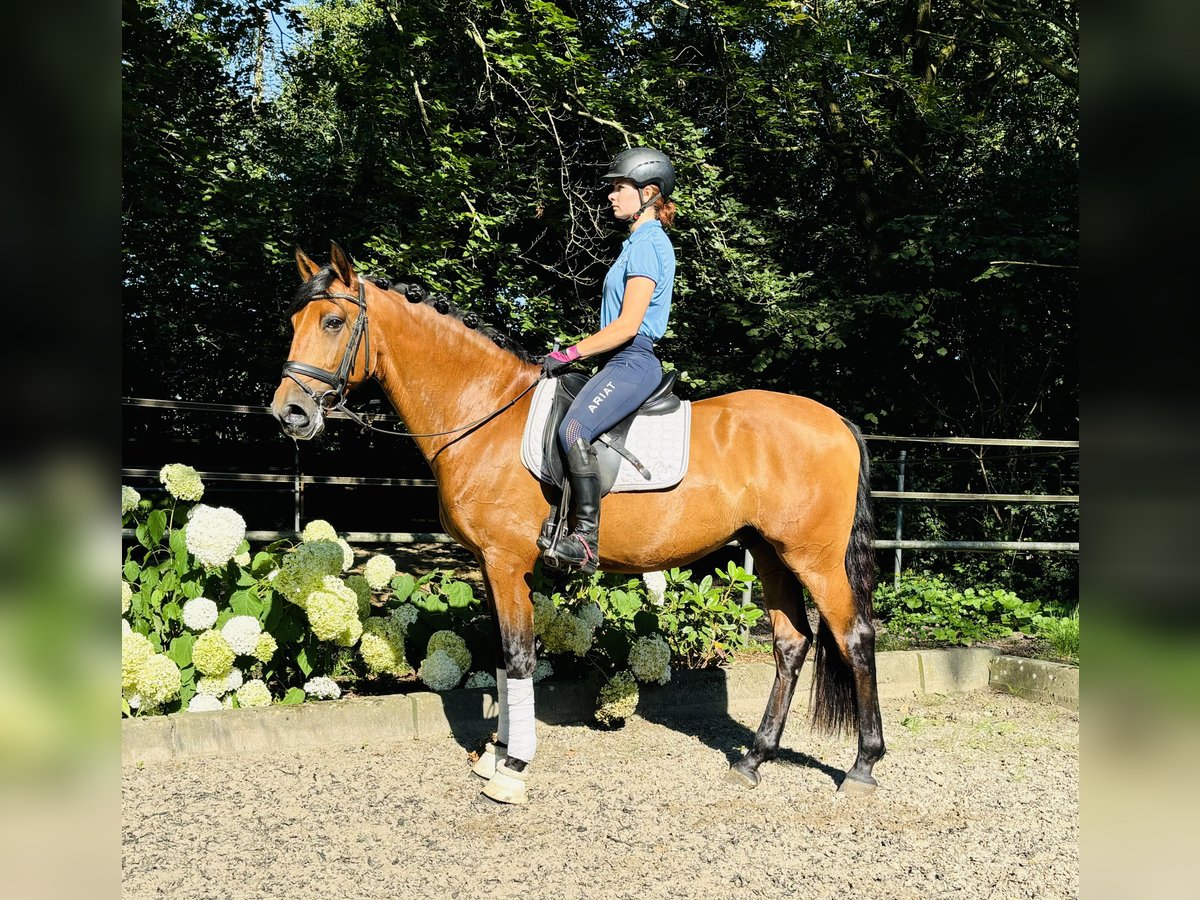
[[297, 479]]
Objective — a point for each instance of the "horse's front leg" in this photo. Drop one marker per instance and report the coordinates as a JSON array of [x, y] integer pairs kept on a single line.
[[504, 574]]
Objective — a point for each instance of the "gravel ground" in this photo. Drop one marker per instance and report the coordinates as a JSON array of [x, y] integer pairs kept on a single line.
[[978, 798]]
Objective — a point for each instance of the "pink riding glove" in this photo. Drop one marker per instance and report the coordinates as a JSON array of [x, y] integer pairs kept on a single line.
[[558, 358]]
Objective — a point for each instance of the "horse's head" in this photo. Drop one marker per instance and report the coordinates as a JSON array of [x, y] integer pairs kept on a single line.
[[330, 350]]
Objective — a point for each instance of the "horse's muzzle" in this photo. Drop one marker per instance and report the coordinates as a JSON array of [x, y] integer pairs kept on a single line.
[[297, 423]]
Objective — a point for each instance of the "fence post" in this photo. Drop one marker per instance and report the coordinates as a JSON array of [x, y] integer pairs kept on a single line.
[[298, 490], [899, 519], [748, 565]]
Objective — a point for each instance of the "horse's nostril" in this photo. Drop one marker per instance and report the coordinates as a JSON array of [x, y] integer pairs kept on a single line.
[[294, 415]]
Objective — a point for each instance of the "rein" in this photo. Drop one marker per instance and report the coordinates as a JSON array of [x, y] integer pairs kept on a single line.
[[339, 381]]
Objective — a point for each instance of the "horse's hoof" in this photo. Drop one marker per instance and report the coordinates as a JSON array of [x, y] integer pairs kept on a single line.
[[506, 786], [485, 766], [747, 779], [856, 787]]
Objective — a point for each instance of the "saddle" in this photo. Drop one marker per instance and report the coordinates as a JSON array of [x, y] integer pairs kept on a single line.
[[610, 446]]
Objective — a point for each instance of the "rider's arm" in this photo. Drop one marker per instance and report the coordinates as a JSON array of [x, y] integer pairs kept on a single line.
[[638, 291]]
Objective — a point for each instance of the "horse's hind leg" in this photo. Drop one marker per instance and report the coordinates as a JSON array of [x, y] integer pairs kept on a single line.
[[791, 637]]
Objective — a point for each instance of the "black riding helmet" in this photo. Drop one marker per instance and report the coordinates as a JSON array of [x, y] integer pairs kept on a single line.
[[643, 166]]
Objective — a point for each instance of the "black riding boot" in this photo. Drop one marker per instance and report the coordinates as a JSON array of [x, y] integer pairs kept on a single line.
[[580, 549]]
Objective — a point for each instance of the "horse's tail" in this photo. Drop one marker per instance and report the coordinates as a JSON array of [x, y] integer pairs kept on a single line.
[[833, 695]]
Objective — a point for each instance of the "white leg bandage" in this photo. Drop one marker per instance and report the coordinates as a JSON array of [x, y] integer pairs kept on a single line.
[[522, 740], [502, 703]]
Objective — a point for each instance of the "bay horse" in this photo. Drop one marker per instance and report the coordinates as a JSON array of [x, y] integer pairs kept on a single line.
[[785, 476]]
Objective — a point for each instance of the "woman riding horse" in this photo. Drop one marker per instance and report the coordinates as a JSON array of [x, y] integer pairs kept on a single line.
[[634, 308]]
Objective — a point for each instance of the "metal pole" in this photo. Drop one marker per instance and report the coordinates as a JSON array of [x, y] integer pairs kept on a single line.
[[297, 490], [899, 519], [748, 565]]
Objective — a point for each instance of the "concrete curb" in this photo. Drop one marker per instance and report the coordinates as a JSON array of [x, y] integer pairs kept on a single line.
[[1037, 679], [468, 714]]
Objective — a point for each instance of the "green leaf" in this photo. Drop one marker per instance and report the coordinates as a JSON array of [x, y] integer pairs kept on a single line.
[[181, 650], [245, 603], [303, 663], [132, 571], [156, 524], [458, 594], [292, 697], [262, 563], [402, 586]]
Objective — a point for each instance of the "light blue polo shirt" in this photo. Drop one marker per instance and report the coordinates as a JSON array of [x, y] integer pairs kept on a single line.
[[647, 252]]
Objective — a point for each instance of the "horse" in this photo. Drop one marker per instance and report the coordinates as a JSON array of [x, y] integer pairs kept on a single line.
[[783, 475]]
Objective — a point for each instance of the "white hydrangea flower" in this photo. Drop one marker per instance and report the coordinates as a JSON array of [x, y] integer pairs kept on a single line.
[[199, 614], [305, 567], [214, 533], [158, 679], [404, 615], [333, 610], [323, 688], [591, 615], [379, 571], [439, 671], [254, 693], [544, 612], [650, 659], [182, 482], [227, 702], [567, 633], [454, 645], [656, 586], [242, 634], [135, 650], [133, 698], [129, 499], [618, 698], [265, 648], [233, 680], [318, 530], [126, 596], [125, 628], [481, 680], [211, 685], [347, 554], [543, 669], [203, 703], [243, 558]]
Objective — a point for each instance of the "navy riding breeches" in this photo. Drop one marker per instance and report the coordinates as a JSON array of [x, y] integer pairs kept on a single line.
[[620, 387]]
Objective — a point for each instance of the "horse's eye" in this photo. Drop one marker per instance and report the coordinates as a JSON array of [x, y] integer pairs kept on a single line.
[[333, 323]]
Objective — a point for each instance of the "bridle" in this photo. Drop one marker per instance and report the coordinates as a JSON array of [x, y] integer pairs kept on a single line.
[[339, 381]]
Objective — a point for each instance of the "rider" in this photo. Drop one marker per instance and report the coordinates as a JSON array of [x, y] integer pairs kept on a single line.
[[634, 308]]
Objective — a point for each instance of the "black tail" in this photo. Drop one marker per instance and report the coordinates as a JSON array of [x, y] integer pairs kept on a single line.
[[833, 696]]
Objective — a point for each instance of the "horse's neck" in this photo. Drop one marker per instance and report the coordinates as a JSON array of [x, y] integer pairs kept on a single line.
[[439, 374]]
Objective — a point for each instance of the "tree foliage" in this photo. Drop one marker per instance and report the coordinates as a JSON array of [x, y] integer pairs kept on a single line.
[[877, 201]]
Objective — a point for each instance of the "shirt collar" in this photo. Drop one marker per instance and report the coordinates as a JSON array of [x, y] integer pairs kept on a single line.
[[642, 232]]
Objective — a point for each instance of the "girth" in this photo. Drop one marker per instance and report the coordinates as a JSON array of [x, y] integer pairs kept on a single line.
[[610, 446]]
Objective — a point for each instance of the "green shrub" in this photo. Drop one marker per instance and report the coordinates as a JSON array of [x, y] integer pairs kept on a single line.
[[927, 609], [208, 624], [1061, 632]]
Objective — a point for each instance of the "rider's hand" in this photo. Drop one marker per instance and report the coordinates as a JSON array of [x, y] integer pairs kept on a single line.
[[556, 359]]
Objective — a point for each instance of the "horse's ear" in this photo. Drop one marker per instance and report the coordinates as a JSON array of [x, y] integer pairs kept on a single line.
[[342, 265], [307, 267]]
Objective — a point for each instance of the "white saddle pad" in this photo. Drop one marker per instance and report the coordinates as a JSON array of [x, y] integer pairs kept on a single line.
[[660, 443]]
